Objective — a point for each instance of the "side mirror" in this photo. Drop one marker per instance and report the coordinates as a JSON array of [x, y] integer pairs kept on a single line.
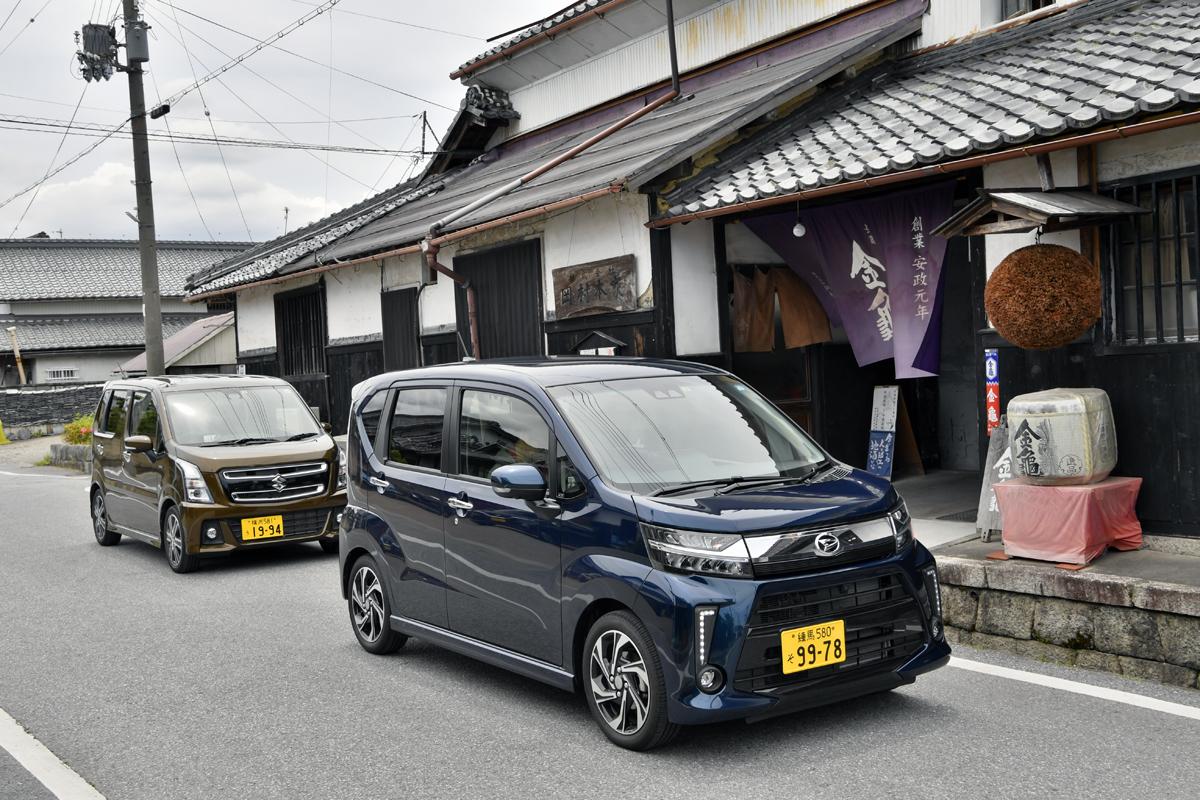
[[325, 426], [519, 481], [139, 444]]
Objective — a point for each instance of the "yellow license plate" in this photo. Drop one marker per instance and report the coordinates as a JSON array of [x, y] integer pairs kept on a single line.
[[814, 646], [262, 527]]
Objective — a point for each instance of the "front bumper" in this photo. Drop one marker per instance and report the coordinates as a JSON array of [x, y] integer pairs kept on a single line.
[[889, 636], [306, 521]]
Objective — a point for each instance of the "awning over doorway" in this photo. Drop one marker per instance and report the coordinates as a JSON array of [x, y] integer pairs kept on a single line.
[[1010, 211]]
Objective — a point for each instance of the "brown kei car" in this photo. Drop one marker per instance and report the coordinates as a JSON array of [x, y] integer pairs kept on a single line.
[[204, 464]]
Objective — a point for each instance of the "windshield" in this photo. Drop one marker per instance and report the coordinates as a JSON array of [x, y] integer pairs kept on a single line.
[[648, 434], [239, 415]]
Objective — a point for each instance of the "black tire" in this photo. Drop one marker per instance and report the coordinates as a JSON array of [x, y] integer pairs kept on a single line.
[[174, 543], [370, 609], [329, 545], [104, 536], [645, 687]]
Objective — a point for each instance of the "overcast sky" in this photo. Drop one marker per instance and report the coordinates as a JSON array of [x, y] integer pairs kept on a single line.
[[90, 198]]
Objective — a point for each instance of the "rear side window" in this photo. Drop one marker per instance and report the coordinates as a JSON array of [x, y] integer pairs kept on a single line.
[[143, 416], [497, 429], [101, 413], [114, 417], [415, 429], [371, 413]]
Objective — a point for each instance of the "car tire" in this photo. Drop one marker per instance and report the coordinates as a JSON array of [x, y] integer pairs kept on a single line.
[[329, 545], [174, 543], [370, 610], [622, 676], [104, 536]]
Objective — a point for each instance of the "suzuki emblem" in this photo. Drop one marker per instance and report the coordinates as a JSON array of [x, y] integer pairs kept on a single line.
[[827, 544], [278, 482]]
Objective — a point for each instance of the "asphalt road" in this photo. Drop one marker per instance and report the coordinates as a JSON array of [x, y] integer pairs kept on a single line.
[[244, 681]]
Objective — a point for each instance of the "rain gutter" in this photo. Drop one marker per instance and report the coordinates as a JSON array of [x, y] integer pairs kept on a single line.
[[950, 167]]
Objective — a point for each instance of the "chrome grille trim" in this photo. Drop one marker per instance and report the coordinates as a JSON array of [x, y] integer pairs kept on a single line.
[[263, 495], [276, 482], [797, 547], [287, 471]]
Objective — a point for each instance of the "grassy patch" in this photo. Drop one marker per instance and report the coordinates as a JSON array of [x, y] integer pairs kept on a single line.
[[3, 438], [44, 461]]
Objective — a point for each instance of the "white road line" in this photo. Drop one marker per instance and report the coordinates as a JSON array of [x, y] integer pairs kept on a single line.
[[1115, 695], [56, 776], [36, 475]]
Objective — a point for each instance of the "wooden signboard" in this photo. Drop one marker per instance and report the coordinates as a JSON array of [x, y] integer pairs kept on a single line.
[[598, 287], [882, 445]]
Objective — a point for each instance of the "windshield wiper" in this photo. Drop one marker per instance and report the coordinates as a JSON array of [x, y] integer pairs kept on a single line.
[[785, 480], [676, 488], [297, 437], [239, 442]]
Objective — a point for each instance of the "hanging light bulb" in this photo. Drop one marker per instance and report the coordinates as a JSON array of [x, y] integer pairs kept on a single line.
[[798, 230]]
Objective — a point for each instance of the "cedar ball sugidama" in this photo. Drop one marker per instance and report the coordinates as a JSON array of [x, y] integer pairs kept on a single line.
[[1043, 296]]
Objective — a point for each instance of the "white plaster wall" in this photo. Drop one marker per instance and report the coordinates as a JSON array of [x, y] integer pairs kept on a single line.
[[89, 367], [1022, 173], [694, 279], [611, 226], [1150, 153], [256, 313], [436, 303], [352, 305]]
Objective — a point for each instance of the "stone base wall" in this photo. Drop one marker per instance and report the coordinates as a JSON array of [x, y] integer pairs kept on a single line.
[[71, 456], [1132, 627], [25, 407]]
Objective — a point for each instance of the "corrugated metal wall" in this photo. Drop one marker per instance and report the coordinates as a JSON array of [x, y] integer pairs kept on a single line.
[[508, 289], [401, 344]]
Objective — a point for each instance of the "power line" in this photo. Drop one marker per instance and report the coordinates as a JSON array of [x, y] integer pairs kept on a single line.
[[204, 104], [303, 57], [24, 27], [11, 11], [182, 171], [49, 166], [460, 34]]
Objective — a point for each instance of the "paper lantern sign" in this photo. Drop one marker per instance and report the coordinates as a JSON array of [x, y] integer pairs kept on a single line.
[[1043, 296]]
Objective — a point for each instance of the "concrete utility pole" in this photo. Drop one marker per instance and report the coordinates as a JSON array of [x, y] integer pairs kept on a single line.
[[137, 53]]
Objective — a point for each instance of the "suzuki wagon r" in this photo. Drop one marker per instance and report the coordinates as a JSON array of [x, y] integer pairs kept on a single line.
[[654, 534]]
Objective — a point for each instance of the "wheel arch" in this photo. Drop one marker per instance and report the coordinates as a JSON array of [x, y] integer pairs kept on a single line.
[[355, 553]]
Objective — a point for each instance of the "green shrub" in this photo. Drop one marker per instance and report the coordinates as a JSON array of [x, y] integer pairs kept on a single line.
[[78, 430], [3, 438]]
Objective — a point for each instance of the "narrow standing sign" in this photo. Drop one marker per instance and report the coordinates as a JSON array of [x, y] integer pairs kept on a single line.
[[991, 374], [882, 445]]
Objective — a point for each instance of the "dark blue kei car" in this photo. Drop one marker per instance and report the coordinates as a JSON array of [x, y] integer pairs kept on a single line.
[[653, 533]]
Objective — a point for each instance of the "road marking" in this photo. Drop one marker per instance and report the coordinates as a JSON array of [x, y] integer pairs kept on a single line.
[[63, 782], [1115, 695]]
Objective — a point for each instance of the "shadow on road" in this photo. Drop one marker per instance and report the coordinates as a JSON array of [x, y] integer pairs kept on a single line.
[[277, 556]]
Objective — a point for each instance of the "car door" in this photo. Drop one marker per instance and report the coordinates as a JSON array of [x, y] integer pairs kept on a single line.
[[142, 473], [503, 576], [406, 469], [108, 443]]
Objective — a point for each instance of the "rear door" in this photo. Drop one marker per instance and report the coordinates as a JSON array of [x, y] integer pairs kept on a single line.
[[407, 471], [503, 572], [142, 473], [108, 436]]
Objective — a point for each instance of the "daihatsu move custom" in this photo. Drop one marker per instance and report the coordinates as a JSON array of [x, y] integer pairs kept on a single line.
[[655, 534]]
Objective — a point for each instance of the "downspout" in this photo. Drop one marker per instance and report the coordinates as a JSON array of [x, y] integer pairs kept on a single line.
[[430, 247]]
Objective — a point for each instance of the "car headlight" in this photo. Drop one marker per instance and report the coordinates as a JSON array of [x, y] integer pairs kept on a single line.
[[195, 490], [341, 471], [901, 525], [722, 554]]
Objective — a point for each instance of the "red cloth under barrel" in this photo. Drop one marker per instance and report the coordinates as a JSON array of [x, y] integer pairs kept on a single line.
[[1070, 524]]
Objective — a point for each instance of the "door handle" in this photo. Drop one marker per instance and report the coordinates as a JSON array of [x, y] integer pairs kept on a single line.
[[378, 483], [460, 505], [99, 448], [125, 456]]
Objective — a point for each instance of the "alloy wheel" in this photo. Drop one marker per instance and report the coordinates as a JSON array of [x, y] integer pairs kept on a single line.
[[619, 682], [366, 604], [99, 519], [173, 534]]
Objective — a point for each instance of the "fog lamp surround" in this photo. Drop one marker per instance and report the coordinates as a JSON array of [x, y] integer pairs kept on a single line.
[[901, 525], [710, 680], [697, 552], [211, 535], [195, 490]]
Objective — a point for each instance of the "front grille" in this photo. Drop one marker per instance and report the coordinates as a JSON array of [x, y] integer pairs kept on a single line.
[[884, 628], [295, 523], [864, 552], [275, 484]]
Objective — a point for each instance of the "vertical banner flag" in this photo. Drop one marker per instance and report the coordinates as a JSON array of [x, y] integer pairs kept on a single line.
[[883, 268], [991, 374], [882, 445]]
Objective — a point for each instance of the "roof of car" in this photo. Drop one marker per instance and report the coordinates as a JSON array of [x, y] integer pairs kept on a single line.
[[549, 371], [183, 382]]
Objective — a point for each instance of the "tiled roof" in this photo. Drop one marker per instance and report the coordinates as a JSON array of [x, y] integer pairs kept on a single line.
[[562, 17], [78, 332], [47, 269], [269, 258], [1092, 65]]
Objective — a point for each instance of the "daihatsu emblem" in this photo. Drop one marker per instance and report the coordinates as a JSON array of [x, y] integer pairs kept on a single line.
[[827, 544], [278, 482]]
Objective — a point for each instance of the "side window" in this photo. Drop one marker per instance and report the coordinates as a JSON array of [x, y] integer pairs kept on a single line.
[[498, 429], [570, 484], [371, 413], [415, 429], [143, 417], [101, 413], [114, 417]]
